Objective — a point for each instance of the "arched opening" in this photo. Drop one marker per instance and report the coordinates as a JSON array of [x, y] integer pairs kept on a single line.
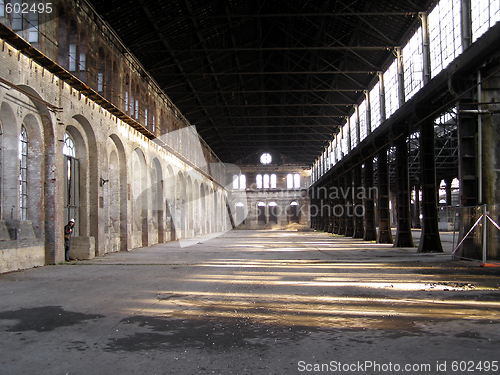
[[115, 189], [189, 208], [169, 183], [23, 174], [87, 154], [157, 200], [261, 213], [31, 159], [196, 208], [216, 213], [180, 206], [273, 212], [293, 213], [139, 209], [71, 183], [203, 211], [240, 213]]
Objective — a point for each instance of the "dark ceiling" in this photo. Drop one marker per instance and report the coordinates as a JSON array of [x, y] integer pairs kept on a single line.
[[260, 75]]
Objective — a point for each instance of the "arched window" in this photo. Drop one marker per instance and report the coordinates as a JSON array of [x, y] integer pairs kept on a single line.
[[239, 182], [296, 181], [258, 181], [289, 181], [266, 181], [273, 181], [71, 182], [68, 146], [23, 174]]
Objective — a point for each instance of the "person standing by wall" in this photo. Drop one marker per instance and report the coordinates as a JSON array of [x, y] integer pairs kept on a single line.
[[68, 230]]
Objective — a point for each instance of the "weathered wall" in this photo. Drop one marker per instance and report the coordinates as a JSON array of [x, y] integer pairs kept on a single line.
[[126, 181]]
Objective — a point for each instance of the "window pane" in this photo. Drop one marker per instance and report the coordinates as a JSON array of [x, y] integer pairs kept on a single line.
[[72, 57], [33, 26], [17, 20], [353, 128], [375, 106], [266, 181], [82, 61], [23, 174], [296, 181], [99, 81], [273, 181], [413, 65], [68, 146], [363, 131], [445, 34], [258, 181], [391, 89]]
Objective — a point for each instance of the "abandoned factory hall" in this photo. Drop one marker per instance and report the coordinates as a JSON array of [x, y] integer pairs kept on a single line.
[[249, 187]]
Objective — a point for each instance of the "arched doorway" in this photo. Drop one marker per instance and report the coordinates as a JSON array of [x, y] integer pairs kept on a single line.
[[261, 213], [293, 212], [139, 206], [273, 213]]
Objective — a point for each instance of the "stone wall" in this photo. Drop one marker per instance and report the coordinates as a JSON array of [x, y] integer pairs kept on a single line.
[[132, 192]]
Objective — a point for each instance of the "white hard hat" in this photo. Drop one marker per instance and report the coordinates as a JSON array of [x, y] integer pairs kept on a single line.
[[71, 220]]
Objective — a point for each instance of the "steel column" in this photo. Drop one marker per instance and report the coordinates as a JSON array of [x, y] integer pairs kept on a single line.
[[418, 224], [336, 205], [403, 234], [430, 242], [349, 219], [359, 229], [342, 204], [385, 234], [370, 230]]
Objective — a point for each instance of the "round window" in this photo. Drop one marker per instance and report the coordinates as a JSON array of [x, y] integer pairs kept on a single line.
[[265, 158]]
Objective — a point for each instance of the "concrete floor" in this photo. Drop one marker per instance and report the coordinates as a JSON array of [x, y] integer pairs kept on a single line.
[[253, 302]]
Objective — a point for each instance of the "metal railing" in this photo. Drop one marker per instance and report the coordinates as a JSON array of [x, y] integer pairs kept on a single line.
[[478, 233]]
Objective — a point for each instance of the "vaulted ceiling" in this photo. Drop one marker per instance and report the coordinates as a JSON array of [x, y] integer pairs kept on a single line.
[[255, 75]]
